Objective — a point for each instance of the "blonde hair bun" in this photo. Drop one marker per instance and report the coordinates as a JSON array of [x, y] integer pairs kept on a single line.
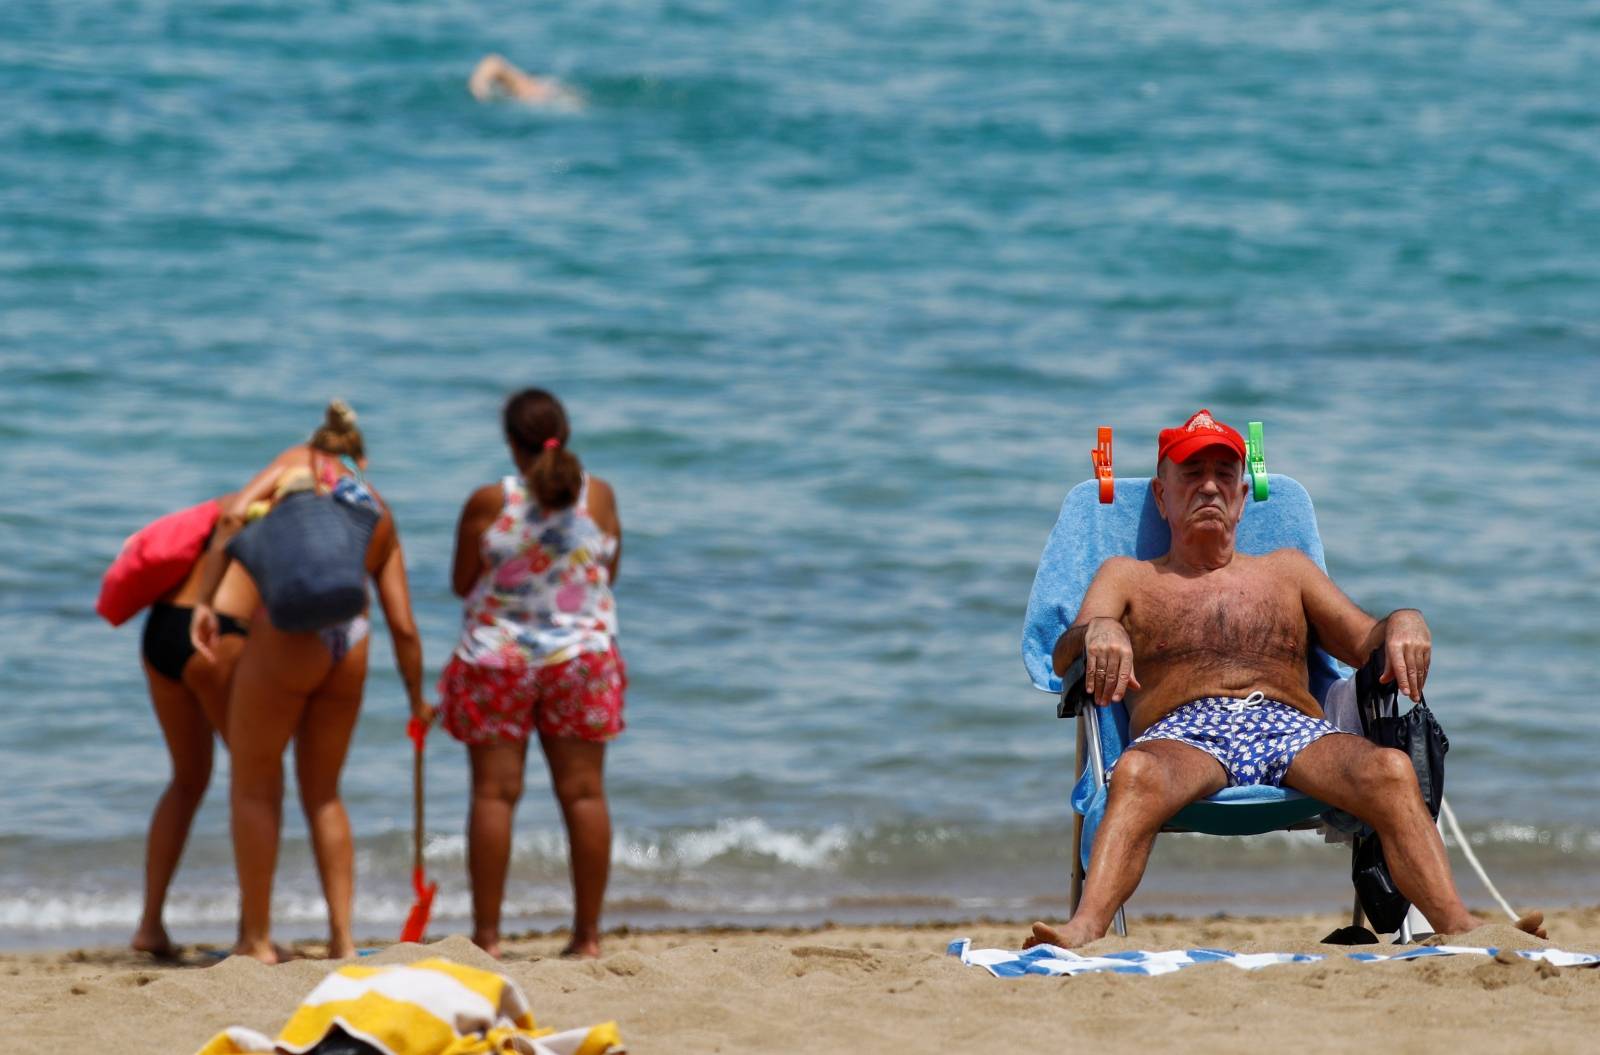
[[338, 433], [340, 417]]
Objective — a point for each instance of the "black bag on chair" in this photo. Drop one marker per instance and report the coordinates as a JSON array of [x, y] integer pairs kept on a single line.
[[1416, 733], [309, 560]]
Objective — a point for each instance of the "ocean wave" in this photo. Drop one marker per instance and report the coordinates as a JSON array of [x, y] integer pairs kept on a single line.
[[748, 839], [1571, 842], [753, 845]]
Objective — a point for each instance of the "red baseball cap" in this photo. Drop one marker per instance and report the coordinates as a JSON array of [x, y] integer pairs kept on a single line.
[[1195, 435]]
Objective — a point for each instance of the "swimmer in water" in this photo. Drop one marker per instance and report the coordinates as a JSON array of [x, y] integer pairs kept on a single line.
[[495, 77]]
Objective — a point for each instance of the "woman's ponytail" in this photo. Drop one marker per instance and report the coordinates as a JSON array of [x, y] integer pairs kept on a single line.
[[536, 426], [556, 476]]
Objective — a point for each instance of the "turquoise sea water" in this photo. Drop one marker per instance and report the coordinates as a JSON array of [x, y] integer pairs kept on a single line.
[[836, 294]]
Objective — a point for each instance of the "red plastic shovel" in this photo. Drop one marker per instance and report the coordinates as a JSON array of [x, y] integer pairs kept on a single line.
[[417, 919]]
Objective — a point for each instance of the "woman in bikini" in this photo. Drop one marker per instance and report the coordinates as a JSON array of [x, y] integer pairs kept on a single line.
[[190, 694], [304, 687], [536, 554]]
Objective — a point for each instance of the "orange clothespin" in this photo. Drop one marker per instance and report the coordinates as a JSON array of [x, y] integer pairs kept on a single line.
[[1101, 459]]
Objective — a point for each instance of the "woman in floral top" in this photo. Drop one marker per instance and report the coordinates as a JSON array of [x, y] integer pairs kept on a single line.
[[536, 555]]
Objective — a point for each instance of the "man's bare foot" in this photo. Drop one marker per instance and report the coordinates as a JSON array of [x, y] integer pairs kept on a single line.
[[581, 950], [1073, 934], [341, 950], [154, 941], [1532, 923]]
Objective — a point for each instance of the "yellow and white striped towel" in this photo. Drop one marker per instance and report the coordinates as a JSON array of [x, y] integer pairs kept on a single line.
[[431, 1007]]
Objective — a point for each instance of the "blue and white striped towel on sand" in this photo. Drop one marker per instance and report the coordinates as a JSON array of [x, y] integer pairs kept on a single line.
[[1053, 960]]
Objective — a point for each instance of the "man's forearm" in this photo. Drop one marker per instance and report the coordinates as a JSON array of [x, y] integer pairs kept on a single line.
[[1069, 646], [1374, 640]]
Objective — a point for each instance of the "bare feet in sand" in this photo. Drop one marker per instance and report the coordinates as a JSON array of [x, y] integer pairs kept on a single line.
[[1530, 923], [581, 950], [268, 953], [1072, 934], [155, 942]]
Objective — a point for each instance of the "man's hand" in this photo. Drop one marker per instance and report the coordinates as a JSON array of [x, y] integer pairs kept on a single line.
[[1407, 651], [1107, 661]]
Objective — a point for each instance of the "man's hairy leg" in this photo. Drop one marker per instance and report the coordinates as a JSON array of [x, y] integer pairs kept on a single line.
[[1152, 781], [1378, 785]]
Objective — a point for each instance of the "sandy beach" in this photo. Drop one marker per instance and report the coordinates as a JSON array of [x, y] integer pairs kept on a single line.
[[835, 989]]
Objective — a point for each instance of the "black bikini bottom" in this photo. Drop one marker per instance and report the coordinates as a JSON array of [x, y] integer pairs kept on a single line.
[[166, 642]]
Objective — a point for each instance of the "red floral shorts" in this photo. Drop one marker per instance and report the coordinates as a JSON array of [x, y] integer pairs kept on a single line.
[[580, 698]]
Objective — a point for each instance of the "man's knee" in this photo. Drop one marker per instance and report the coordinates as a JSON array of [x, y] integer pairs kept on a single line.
[[1388, 783], [1388, 770], [1137, 774]]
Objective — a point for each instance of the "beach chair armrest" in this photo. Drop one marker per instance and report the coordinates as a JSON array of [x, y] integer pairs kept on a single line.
[[1073, 691]]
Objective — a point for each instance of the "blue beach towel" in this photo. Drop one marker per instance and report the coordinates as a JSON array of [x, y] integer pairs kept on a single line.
[[1053, 960], [1085, 535]]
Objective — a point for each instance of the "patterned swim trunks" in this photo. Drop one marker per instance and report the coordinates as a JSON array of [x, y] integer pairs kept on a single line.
[[1254, 738]]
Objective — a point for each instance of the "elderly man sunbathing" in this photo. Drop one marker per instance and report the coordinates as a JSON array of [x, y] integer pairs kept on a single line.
[[1208, 645]]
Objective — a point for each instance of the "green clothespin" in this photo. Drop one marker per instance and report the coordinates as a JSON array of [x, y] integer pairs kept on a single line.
[[1257, 456]]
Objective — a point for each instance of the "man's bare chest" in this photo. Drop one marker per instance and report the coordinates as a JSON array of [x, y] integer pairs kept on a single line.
[[1172, 619]]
